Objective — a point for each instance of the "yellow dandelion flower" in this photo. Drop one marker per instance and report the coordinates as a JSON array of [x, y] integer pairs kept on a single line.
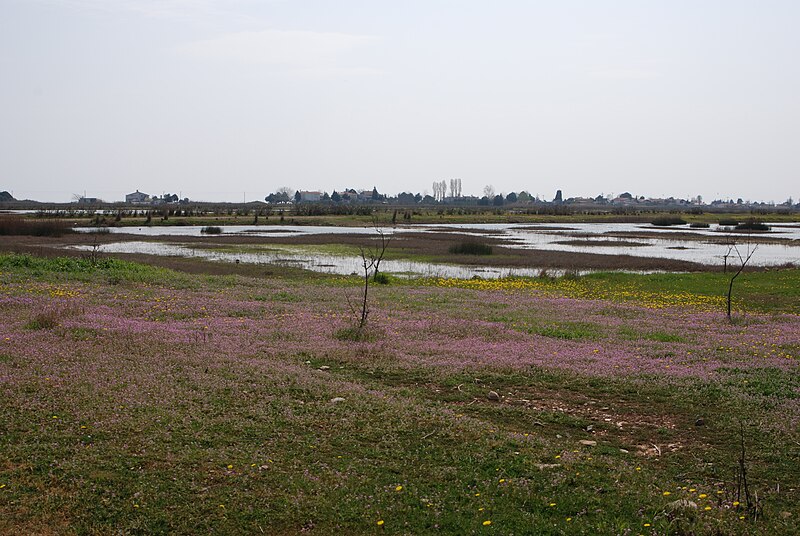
[[502, 480], [399, 488], [380, 523], [707, 508], [230, 467], [487, 522], [647, 524], [552, 504], [736, 503], [667, 493], [702, 495], [569, 519]]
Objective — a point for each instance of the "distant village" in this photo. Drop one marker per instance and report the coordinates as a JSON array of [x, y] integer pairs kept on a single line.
[[446, 194]]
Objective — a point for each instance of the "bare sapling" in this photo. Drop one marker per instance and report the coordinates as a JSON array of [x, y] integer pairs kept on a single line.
[[371, 257], [744, 258]]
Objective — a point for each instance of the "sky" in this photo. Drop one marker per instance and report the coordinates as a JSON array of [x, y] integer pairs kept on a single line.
[[229, 100]]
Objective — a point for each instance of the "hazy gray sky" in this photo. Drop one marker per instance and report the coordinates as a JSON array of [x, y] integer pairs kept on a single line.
[[226, 99]]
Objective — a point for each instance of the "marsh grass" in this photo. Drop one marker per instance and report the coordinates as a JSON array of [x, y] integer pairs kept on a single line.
[[752, 225], [14, 225], [470, 248], [666, 221]]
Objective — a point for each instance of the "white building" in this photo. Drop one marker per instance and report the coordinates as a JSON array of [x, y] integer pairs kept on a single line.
[[137, 197]]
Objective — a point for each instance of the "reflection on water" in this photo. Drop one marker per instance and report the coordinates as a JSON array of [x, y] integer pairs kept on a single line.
[[332, 264]]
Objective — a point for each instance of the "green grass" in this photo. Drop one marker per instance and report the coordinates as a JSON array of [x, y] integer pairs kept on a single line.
[[763, 291], [568, 330], [658, 336], [106, 270], [249, 441]]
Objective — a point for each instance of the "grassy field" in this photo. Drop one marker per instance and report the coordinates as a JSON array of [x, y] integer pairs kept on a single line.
[[141, 400]]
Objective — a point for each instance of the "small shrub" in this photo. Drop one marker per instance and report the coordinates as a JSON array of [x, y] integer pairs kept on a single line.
[[471, 248], [752, 225], [43, 320], [381, 278], [728, 223], [211, 229], [354, 334], [699, 225], [666, 221]]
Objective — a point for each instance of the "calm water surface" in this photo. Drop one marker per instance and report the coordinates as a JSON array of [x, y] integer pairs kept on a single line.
[[666, 243]]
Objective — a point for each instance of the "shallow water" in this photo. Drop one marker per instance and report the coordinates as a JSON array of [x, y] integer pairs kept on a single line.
[[332, 264], [667, 244]]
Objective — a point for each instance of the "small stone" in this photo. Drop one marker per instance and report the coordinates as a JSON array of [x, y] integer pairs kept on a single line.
[[700, 422], [336, 400], [590, 428], [623, 451], [588, 442], [324, 367], [493, 396], [786, 515], [544, 466]]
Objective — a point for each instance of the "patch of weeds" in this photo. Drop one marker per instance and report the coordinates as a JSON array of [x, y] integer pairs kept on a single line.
[[243, 313], [665, 221], [752, 225], [568, 331], [766, 382], [5, 358], [658, 336], [791, 350], [83, 334], [285, 297], [661, 336], [43, 320], [471, 248], [381, 278], [355, 334]]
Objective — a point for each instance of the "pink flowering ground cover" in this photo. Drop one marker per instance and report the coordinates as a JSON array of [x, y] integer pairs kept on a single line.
[[168, 403]]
